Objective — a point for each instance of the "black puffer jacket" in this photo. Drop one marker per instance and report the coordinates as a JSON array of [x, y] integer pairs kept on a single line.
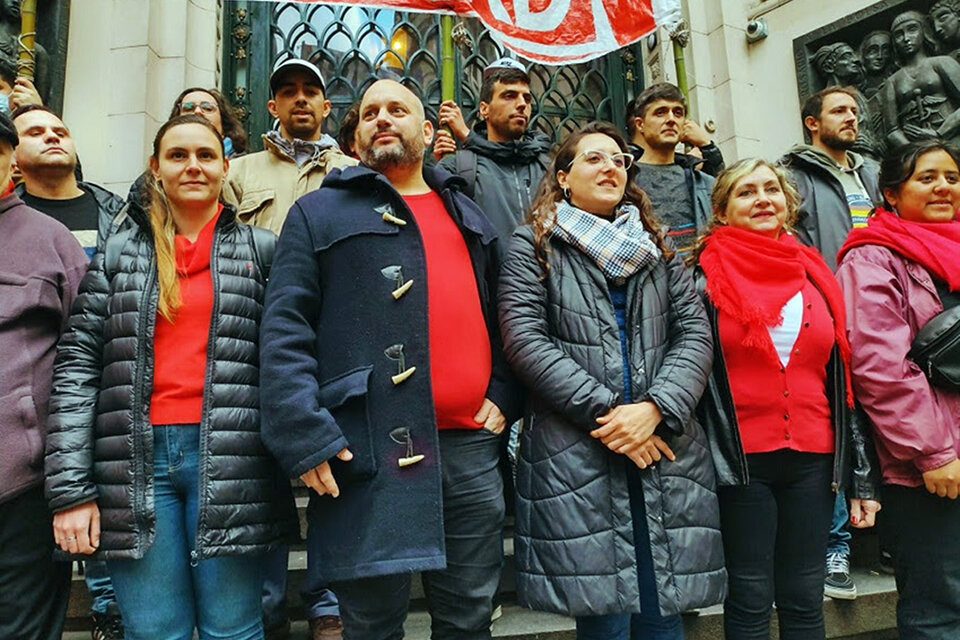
[[574, 534], [100, 440], [855, 466]]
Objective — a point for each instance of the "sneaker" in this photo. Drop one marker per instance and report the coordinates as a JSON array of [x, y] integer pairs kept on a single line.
[[886, 562], [277, 632], [838, 583], [109, 625], [326, 628]]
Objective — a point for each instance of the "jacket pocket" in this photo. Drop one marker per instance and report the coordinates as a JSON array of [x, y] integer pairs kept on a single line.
[[21, 441], [345, 397], [254, 202]]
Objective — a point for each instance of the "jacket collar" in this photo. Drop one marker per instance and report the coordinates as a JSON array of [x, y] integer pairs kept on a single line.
[[360, 178], [527, 149]]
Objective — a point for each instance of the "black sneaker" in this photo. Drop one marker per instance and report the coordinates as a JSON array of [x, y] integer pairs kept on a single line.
[[109, 625], [838, 583]]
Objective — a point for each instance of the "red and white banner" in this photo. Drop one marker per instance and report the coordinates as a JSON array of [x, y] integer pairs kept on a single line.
[[551, 31]]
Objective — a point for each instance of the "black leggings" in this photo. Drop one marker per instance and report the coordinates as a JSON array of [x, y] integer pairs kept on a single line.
[[775, 540]]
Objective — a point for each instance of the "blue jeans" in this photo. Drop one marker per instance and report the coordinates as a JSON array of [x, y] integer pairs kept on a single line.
[[168, 593], [839, 541], [649, 624], [317, 599], [99, 585]]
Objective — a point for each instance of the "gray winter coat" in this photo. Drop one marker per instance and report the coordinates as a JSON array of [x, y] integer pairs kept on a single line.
[[574, 533], [502, 177], [100, 440]]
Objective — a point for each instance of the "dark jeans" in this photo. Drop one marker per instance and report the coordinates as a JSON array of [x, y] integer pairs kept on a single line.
[[925, 535], [648, 625], [99, 585], [840, 536], [317, 599], [775, 539], [459, 597], [34, 590]]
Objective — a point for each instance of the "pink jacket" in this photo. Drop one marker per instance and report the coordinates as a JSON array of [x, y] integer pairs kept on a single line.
[[888, 298]]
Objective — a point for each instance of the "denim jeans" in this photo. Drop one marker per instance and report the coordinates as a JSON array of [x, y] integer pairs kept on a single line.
[[168, 593], [839, 541], [924, 533], [317, 600], [99, 585], [775, 539], [460, 597], [649, 624]]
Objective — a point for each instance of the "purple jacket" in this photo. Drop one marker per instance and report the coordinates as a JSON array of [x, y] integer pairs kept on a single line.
[[888, 299], [41, 265]]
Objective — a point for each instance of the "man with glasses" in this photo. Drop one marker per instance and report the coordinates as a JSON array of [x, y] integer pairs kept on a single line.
[[680, 193], [501, 159], [295, 158]]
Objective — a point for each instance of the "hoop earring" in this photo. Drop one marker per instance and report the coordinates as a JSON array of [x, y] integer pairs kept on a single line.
[[566, 194]]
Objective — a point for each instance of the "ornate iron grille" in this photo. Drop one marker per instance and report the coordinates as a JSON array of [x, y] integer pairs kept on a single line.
[[353, 46]]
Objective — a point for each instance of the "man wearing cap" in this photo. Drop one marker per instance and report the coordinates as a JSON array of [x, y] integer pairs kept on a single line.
[[41, 265], [501, 159], [295, 159], [263, 186]]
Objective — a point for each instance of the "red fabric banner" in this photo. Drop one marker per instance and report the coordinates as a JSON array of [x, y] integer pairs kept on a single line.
[[550, 31]]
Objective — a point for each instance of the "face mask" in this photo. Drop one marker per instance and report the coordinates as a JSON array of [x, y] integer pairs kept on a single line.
[[227, 147], [4, 104]]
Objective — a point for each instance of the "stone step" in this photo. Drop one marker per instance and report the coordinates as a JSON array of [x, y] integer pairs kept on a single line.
[[870, 617]]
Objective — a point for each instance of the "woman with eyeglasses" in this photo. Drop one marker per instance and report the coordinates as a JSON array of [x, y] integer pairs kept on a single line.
[[154, 460], [778, 409], [617, 520], [211, 104]]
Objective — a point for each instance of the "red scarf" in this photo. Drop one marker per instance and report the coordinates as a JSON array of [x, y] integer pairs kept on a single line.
[[9, 190], [751, 277], [933, 245]]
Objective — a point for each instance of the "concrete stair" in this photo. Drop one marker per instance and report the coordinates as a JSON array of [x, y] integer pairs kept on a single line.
[[872, 616]]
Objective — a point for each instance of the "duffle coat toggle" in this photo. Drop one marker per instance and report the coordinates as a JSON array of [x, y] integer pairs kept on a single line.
[[386, 212], [395, 352], [402, 436], [395, 273]]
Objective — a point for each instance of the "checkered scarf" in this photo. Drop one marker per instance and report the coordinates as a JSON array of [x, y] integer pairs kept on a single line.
[[620, 247]]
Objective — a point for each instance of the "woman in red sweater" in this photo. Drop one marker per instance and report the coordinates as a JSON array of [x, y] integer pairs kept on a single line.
[[778, 406], [154, 459]]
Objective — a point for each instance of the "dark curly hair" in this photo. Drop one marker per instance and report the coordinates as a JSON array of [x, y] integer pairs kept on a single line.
[[229, 117], [542, 213]]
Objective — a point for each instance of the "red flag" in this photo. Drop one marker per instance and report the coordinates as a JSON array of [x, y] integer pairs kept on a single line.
[[551, 31]]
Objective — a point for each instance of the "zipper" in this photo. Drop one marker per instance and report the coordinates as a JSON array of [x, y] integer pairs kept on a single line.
[[723, 385], [146, 327], [197, 554]]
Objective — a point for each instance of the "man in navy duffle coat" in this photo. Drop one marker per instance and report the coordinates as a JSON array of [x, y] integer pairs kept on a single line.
[[383, 385]]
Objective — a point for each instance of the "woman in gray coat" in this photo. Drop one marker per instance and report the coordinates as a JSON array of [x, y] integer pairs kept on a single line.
[[617, 520]]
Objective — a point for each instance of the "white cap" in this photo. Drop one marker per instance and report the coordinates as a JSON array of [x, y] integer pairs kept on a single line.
[[288, 65], [503, 63]]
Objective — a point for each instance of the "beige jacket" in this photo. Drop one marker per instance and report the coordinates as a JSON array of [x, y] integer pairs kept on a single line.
[[264, 185]]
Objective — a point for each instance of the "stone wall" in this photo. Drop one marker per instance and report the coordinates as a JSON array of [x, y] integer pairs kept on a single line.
[[126, 62]]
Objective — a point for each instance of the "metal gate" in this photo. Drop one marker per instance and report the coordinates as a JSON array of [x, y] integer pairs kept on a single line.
[[355, 45]]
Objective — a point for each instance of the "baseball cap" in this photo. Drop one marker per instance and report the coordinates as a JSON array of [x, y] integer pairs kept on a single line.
[[8, 132], [503, 63], [290, 65]]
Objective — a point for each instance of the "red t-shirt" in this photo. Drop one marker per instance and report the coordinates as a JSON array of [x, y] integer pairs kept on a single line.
[[180, 347], [783, 407], [459, 344]]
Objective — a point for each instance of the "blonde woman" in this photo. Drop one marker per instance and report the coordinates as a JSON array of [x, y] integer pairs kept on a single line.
[[154, 461]]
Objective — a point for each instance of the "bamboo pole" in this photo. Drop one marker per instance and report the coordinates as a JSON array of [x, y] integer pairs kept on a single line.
[[26, 66], [447, 67]]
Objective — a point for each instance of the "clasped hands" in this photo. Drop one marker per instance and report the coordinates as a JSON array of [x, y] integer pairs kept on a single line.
[[628, 429]]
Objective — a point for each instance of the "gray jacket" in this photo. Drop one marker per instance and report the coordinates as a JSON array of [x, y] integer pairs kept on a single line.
[[823, 220], [502, 177], [574, 534]]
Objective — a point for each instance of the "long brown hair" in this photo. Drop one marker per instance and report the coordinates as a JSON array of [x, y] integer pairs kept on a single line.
[[543, 210], [162, 223], [230, 117]]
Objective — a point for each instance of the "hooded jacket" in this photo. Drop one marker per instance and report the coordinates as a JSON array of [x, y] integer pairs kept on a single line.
[[100, 440], [331, 321], [501, 177], [264, 185], [574, 543], [823, 219]]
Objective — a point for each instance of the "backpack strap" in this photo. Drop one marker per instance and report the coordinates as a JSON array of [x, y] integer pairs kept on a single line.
[[264, 246], [466, 162]]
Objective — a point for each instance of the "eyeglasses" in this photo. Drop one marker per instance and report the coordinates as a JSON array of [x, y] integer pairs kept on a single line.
[[596, 158], [190, 107]]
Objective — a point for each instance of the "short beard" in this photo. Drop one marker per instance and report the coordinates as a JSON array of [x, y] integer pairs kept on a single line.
[[837, 143], [408, 153], [506, 132]]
